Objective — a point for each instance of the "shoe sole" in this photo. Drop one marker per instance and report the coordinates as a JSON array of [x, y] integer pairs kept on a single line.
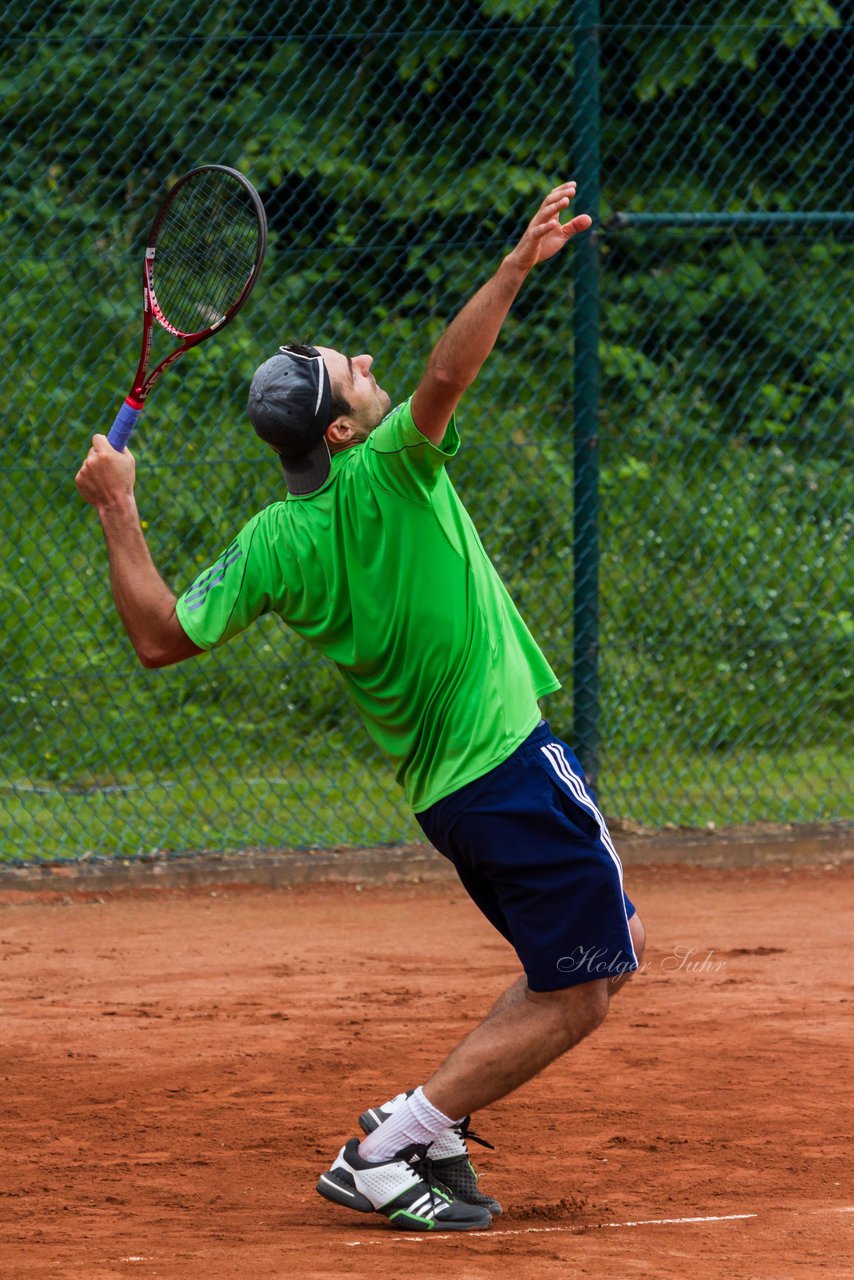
[[334, 1186]]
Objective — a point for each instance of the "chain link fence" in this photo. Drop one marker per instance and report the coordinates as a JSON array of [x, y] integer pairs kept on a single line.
[[399, 150]]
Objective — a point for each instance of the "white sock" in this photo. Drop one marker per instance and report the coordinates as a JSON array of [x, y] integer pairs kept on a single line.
[[415, 1120]]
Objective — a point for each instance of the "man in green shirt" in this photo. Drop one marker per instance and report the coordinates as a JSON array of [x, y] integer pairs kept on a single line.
[[375, 562]]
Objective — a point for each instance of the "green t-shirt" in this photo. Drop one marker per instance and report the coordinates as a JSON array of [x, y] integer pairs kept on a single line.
[[382, 570]]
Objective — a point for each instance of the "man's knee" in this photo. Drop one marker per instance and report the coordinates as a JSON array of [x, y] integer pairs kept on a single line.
[[593, 1006], [579, 1009]]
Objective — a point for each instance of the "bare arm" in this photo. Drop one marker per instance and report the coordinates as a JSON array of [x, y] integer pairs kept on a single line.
[[464, 346], [145, 604]]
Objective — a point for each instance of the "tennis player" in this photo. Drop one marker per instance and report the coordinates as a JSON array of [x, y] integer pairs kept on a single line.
[[374, 560]]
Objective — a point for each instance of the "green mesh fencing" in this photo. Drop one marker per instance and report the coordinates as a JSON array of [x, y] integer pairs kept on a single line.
[[399, 150]]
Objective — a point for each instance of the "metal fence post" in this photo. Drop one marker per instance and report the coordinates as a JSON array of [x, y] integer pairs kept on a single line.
[[585, 611]]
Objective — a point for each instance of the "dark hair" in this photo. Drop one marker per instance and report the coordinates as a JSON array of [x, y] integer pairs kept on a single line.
[[339, 405]]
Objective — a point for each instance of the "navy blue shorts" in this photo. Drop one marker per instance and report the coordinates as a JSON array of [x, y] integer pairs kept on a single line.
[[533, 851]]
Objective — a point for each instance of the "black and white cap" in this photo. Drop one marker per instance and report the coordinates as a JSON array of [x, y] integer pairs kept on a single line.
[[290, 408]]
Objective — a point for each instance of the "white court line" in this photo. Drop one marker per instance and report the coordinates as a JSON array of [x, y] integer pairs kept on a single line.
[[664, 1222], [583, 1227], [530, 1231]]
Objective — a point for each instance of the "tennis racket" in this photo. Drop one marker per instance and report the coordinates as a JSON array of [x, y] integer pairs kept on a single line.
[[203, 257]]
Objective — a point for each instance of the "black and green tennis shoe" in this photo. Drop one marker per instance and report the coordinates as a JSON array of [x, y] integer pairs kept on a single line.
[[404, 1189], [449, 1155]]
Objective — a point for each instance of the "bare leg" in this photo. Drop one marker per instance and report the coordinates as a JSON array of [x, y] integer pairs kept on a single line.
[[510, 1047], [522, 1034], [508, 998]]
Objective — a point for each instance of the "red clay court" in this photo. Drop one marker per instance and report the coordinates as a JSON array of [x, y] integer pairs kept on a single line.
[[179, 1065]]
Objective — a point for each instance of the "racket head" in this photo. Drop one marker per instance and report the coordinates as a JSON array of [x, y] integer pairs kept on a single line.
[[205, 251]]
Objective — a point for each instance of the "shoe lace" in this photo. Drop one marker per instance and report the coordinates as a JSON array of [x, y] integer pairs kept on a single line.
[[419, 1161], [468, 1134]]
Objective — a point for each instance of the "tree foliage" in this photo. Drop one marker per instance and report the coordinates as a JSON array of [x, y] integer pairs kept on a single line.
[[399, 148]]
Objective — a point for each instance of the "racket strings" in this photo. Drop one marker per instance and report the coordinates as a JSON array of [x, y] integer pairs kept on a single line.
[[207, 247]]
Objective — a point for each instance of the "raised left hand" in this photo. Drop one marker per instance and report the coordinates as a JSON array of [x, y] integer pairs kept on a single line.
[[545, 233]]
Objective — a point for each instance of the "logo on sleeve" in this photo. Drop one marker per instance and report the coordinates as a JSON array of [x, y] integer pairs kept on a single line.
[[198, 592]]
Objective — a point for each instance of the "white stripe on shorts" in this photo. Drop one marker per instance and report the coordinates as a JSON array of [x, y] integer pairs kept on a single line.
[[554, 753]]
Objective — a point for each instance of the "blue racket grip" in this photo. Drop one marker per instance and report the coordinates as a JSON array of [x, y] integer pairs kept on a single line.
[[120, 431]]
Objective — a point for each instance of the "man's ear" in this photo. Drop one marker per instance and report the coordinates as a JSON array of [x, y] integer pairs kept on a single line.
[[339, 432]]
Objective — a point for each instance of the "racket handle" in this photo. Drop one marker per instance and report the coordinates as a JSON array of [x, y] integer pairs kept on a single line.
[[120, 431]]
